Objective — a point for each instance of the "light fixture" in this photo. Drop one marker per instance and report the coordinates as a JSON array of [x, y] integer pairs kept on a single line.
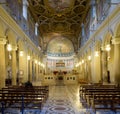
[[39, 63], [108, 48], [82, 61], [21, 53], [89, 57], [96, 53], [36, 61], [28, 57], [77, 65], [9, 47], [42, 65]]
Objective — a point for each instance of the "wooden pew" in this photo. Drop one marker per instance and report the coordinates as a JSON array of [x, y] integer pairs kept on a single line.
[[23, 96], [107, 97]]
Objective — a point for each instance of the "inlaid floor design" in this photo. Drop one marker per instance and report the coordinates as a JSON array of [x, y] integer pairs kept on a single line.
[[58, 102], [62, 100], [65, 100]]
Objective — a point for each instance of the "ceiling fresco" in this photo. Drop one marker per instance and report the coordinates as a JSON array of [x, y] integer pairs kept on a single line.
[[61, 17]]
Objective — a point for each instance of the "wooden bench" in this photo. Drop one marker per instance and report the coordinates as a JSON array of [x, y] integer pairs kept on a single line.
[[104, 96], [11, 96]]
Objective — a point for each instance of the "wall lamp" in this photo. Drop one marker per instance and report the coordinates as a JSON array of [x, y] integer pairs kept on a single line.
[[96, 53], [89, 57], [21, 53], [28, 57], [108, 48], [9, 47]]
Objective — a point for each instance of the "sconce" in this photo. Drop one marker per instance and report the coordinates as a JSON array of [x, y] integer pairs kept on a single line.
[[9, 47], [36, 61], [82, 61], [89, 57], [76, 65], [21, 53], [96, 53], [42, 65], [39, 63], [28, 57], [108, 48]]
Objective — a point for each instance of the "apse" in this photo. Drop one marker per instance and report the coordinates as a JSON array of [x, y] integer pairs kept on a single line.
[[60, 46]]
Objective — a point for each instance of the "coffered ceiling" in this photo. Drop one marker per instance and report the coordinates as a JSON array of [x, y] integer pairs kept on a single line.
[[59, 17]]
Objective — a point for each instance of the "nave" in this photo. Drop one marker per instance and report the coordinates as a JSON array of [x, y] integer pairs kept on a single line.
[[66, 100], [62, 99]]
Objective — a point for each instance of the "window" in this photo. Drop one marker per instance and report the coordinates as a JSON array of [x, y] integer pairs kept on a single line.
[[36, 29], [25, 4]]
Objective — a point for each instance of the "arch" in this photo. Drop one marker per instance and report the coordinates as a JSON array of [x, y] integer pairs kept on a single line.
[[21, 44], [11, 36], [60, 44], [2, 28], [117, 30], [97, 45], [107, 38], [89, 51]]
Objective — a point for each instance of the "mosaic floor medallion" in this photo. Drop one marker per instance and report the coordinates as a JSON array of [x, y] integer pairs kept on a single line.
[[65, 100]]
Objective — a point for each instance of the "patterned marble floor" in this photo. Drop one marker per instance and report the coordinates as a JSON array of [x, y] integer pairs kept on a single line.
[[65, 100], [59, 101]]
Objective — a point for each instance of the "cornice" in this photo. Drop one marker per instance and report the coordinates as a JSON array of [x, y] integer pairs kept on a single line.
[[8, 20], [93, 38]]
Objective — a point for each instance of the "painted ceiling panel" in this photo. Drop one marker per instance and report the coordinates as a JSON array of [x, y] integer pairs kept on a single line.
[[63, 17]]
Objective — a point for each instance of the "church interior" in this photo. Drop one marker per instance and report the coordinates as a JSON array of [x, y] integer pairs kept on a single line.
[[59, 56]]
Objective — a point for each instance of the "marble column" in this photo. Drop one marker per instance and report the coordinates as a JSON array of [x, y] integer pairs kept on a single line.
[[30, 71], [104, 66], [14, 65], [2, 62], [116, 43], [89, 71], [97, 68], [36, 71]]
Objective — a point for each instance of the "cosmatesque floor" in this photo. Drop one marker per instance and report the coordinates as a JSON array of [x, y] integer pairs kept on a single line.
[[65, 100], [61, 101]]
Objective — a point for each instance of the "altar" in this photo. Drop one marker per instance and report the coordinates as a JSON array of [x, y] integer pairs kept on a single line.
[[60, 80]]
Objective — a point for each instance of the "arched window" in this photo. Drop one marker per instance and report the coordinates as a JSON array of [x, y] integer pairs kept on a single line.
[[36, 29], [83, 30], [25, 5]]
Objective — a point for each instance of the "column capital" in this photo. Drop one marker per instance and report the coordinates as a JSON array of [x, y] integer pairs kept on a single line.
[[116, 40], [3, 40]]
